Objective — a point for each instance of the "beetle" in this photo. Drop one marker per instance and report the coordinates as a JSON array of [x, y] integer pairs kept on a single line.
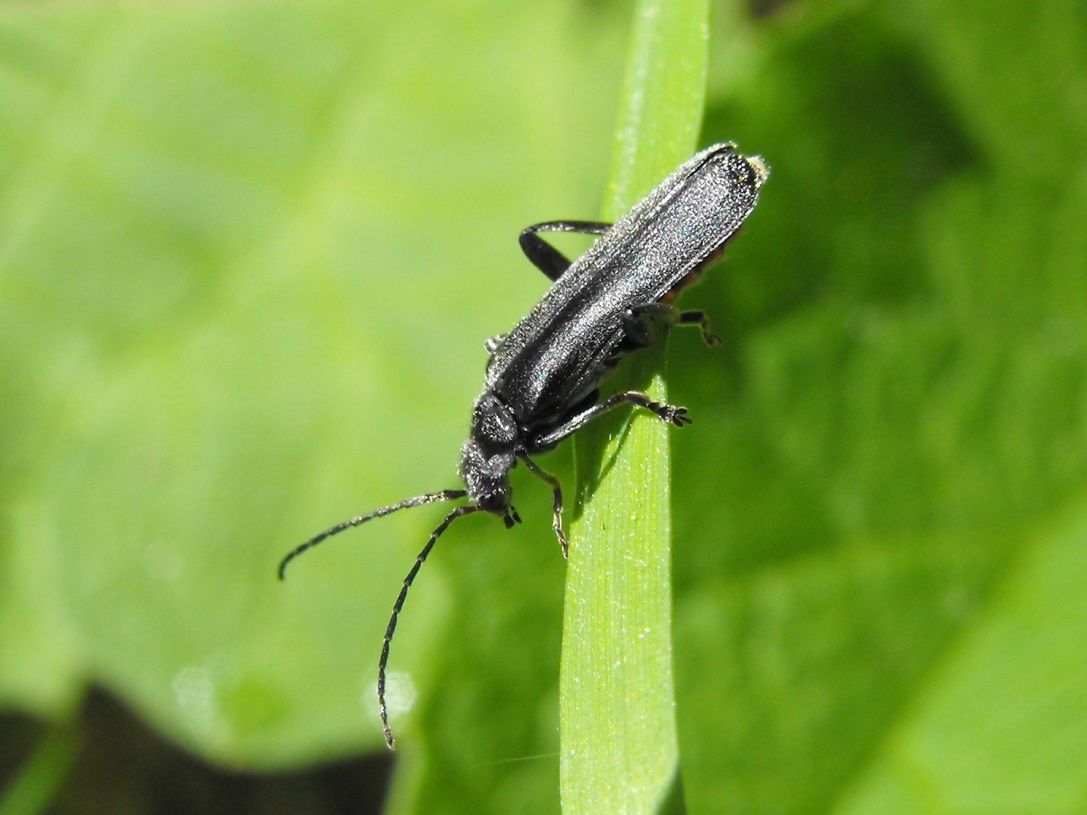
[[542, 378]]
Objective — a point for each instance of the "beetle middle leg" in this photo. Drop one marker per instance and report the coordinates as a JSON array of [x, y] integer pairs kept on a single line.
[[699, 318], [639, 323], [668, 413], [546, 257]]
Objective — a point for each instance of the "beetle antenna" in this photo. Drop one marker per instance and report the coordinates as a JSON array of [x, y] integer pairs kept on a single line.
[[444, 495], [398, 606]]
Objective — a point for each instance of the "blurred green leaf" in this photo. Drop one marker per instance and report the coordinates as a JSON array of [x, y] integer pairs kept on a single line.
[[244, 295], [248, 256]]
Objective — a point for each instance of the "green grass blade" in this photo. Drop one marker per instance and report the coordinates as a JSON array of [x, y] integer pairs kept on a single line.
[[619, 747]]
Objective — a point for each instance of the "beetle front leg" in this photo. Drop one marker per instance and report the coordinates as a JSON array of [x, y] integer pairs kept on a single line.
[[546, 257], [671, 414], [556, 491]]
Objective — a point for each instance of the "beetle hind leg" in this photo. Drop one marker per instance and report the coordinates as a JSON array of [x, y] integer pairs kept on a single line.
[[546, 257]]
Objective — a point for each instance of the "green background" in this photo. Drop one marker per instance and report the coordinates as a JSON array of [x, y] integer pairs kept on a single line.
[[248, 258]]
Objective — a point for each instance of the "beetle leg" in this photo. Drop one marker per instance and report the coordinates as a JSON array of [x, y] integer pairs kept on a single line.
[[556, 490], [700, 319], [668, 413], [638, 323], [546, 257]]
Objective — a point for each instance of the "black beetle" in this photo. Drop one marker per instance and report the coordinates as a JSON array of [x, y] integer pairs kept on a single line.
[[542, 380]]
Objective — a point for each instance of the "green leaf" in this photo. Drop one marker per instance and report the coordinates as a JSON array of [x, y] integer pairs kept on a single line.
[[991, 733], [245, 289]]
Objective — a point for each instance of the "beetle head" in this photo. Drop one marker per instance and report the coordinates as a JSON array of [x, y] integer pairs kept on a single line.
[[487, 476], [488, 456]]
